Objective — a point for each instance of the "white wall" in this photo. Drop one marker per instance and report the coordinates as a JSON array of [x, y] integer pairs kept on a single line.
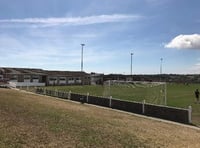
[[52, 82], [15, 84], [71, 81], [13, 80], [62, 81], [27, 80], [78, 81], [36, 80]]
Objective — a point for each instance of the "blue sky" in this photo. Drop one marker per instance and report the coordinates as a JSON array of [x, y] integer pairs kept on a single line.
[[47, 34]]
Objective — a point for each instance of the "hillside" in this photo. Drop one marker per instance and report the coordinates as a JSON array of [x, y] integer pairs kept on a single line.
[[28, 120]]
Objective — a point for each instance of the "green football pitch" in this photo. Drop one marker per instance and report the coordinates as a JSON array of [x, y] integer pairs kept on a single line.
[[124, 92], [178, 95]]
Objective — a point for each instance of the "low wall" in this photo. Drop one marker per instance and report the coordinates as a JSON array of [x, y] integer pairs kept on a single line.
[[164, 112], [99, 101], [168, 113], [77, 97], [132, 107]]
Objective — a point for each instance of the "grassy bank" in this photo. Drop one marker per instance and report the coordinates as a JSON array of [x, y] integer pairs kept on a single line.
[[178, 95], [28, 120]]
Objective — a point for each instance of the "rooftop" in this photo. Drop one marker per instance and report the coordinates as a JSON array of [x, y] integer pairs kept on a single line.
[[33, 71]]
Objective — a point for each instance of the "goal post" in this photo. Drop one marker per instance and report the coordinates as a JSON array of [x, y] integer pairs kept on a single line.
[[152, 92]]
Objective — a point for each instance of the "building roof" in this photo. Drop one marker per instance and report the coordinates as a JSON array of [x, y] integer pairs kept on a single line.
[[32, 71], [65, 73]]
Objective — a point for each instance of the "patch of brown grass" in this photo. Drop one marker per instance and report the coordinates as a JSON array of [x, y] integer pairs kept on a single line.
[[28, 120]]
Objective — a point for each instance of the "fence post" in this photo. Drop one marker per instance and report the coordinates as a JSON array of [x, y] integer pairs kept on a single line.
[[41, 90], [143, 107], [190, 114], [87, 97], [69, 95], [44, 91], [56, 93], [47, 92], [165, 94], [110, 101], [34, 89], [65, 95]]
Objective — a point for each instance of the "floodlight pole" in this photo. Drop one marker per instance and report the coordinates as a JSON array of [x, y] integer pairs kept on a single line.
[[165, 89], [165, 93], [82, 56], [161, 62], [131, 63]]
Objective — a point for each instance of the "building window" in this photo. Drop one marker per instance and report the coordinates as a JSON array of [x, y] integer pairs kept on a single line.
[[27, 77], [52, 79], [62, 79], [35, 77], [1, 77], [14, 77], [71, 79], [77, 78]]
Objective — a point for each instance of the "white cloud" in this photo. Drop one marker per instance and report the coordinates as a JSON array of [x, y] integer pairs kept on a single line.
[[45, 22], [185, 42]]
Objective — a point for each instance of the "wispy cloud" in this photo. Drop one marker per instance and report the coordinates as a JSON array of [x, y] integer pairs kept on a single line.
[[185, 42], [87, 20], [23, 53]]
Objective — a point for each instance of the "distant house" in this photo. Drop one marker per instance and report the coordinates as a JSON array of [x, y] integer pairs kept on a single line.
[[38, 77]]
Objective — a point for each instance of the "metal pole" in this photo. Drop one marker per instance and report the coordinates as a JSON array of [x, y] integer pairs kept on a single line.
[[161, 60], [131, 63], [82, 56], [166, 93]]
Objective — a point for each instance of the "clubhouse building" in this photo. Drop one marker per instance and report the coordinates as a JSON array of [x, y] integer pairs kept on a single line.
[[39, 77]]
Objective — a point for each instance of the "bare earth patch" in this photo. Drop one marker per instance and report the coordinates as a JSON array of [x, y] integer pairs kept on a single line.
[[28, 120]]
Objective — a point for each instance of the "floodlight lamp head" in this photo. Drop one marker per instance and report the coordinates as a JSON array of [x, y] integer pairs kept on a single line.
[[82, 44]]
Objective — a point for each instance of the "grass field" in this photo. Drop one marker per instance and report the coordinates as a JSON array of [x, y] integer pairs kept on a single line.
[[125, 93], [29, 120], [178, 95]]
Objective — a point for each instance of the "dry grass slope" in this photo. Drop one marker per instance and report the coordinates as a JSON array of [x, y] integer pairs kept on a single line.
[[28, 120]]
